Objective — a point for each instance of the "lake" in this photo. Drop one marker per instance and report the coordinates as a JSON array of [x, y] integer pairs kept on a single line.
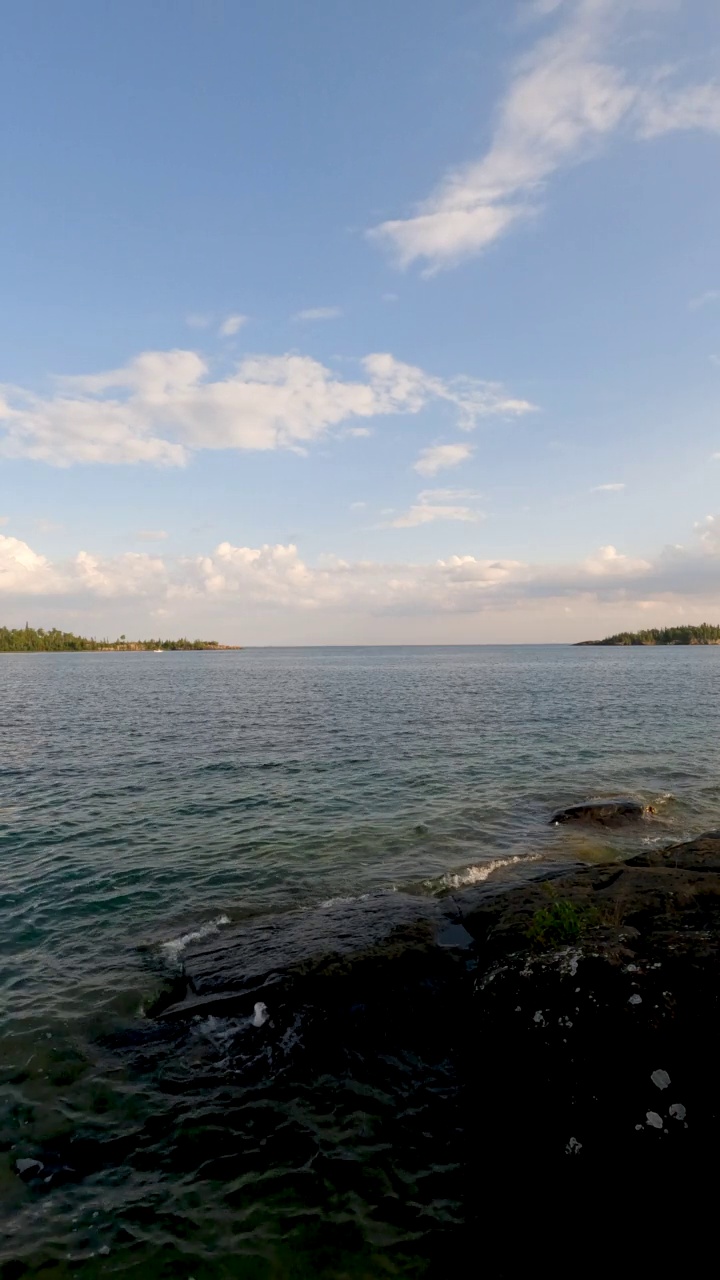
[[147, 799]]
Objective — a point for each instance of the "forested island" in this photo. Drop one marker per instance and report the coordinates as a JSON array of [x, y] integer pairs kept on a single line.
[[36, 640], [702, 634]]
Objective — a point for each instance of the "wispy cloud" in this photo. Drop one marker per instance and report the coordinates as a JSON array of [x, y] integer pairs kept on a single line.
[[318, 313], [439, 457], [3, 521], [566, 98], [150, 535], [607, 488], [163, 405], [704, 299], [198, 320], [436, 504], [232, 325]]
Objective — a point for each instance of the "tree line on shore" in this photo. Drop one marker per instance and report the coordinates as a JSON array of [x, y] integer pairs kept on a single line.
[[36, 640], [704, 633]]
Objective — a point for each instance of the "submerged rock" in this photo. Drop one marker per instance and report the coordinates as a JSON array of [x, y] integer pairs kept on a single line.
[[604, 813], [701, 854], [571, 1001]]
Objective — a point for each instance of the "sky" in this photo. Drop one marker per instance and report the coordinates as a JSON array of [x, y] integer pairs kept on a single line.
[[339, 323]]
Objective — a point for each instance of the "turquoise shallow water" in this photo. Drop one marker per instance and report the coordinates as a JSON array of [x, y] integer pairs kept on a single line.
[[148, 797]]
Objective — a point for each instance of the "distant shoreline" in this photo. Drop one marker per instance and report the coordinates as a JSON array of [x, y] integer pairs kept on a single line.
[[37, 640], [704, 634]]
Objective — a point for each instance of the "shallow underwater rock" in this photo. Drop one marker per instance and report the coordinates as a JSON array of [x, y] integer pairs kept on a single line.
[[604, 813]]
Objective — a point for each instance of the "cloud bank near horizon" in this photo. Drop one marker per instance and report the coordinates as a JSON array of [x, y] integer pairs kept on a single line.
[[277, 579]]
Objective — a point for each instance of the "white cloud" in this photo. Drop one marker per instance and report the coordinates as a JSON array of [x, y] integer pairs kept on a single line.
[[197, 321], [48, 526], [151, 535], [448, 495], [428, 513], [439, 457], [232, 325], [704, 299], [565, 99], [277, 578], [358, 506], [709, 533], [163, 405], [607, 488], [609, 562], [318, 313], [23, 571]]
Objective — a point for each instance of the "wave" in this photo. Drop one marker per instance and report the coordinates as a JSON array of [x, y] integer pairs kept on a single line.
[[173, 949], [478, 872]]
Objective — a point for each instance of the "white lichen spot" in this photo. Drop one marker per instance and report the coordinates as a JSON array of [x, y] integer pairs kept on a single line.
[[636, 999], [677, 1111], [260, 1014], [573, 1147], [631, 968], [660, 1078], [538, 1017], [654, 1120]]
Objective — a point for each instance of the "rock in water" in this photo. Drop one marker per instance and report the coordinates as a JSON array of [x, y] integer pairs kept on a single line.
[[604, 813]]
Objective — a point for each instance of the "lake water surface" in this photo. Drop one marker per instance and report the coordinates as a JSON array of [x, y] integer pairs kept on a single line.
[[146, 798]]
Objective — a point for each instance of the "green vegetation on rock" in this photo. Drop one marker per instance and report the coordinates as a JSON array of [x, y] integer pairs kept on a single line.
[[561, 923], [702, 634], [31, 640]]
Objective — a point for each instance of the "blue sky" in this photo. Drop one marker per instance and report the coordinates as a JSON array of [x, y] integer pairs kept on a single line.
[[336, 323]]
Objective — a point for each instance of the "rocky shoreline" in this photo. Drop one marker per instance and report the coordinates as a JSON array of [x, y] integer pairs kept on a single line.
[[583, 1003], [400, 1077]]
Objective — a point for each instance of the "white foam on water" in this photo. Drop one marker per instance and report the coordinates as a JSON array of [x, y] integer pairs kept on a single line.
[[477, 873], [339, 902], [173, 949]]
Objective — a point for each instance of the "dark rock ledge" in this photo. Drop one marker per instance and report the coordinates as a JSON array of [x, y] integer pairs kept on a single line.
[[580, 1010]]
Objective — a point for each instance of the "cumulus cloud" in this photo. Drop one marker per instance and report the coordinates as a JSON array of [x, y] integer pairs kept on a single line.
[[439, 457], [163, 405], [566, 98], [277, 577], [608, 488], [318, 313], [23, 572], [232, 325]]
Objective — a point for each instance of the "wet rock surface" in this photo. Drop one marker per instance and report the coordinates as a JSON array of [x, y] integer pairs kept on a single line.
[[559, 999], [603, 813], [415, 1065]]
